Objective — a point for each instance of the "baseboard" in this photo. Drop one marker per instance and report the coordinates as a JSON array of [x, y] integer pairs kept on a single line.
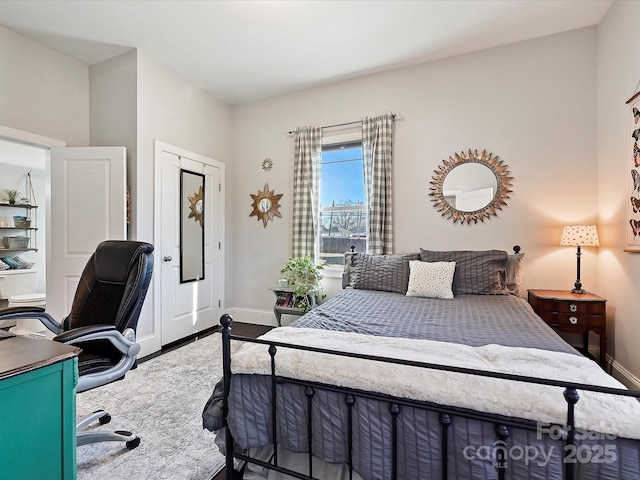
[[623, 375], [256, 317]]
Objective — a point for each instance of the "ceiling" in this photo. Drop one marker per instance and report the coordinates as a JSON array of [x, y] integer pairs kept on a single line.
[[246, 50]]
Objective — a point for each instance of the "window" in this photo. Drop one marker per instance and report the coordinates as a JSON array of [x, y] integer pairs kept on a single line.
[[343, 210]]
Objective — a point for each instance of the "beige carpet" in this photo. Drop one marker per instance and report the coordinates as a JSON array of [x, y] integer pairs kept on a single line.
[[161, 401]]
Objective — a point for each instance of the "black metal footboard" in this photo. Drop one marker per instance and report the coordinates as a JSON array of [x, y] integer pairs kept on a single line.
[[504, 425]]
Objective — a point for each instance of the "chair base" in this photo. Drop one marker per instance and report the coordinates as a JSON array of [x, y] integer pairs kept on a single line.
[[83, 437]]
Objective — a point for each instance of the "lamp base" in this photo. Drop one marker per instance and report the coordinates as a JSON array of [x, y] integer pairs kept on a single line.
[[579, 290]]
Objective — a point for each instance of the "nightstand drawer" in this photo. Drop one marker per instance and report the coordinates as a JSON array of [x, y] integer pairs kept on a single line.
[[592, 308], [570, 319]]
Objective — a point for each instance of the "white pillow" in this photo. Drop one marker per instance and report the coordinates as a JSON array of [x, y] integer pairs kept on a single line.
[[431, 279]]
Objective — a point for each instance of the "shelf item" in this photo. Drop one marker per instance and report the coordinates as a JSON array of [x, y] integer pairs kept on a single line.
[[16, 243], [26, 223]]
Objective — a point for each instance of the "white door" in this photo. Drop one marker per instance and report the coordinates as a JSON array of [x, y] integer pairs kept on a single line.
[[87, 206], [189, 307]]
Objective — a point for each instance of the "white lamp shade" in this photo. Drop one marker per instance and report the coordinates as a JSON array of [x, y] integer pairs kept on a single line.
[[580, 235]]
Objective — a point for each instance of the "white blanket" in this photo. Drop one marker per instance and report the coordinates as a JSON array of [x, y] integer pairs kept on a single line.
[[595, 412]]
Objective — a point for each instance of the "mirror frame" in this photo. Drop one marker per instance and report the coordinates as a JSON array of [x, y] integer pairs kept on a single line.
[[192, 192], [257, 211], [503, 189]]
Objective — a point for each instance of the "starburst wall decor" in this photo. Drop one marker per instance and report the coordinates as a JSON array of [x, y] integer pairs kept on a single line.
[[265, 205]]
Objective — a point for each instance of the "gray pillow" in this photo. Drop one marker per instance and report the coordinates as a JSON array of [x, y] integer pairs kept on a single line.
[[388, 273], [477, 272], [513, 274]]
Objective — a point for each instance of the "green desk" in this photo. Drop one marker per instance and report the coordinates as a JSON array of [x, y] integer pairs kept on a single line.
[[38, 380]]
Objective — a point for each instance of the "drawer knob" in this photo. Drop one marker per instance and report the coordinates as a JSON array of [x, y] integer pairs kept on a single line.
[[573, 308], [573, 320]]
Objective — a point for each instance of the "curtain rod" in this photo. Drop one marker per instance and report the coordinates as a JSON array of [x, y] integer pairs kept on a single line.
[[394, 115]]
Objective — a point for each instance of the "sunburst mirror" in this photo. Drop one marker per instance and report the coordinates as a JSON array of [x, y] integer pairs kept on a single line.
[[265, 205], [196, 206], [471, 186]]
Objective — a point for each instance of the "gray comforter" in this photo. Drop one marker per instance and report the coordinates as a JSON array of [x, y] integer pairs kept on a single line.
[[473, 320]]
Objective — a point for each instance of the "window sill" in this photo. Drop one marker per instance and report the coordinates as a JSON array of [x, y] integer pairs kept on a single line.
[[332, 272]]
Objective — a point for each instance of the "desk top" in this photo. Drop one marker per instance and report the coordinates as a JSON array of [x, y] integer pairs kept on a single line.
[[21, 354]]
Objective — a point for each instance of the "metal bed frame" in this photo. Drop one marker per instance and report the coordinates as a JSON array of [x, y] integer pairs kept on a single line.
[[502, 423]]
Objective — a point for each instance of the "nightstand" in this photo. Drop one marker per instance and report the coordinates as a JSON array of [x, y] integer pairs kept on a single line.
[[573, 313], [286, 305]]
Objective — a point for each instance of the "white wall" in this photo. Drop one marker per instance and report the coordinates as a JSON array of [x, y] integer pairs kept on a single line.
[[43, 91], [532, 103], [619, 272], [134, 101], [113, 105], [174, 111]]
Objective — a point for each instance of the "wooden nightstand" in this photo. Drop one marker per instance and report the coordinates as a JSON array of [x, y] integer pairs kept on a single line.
[[573, 313]]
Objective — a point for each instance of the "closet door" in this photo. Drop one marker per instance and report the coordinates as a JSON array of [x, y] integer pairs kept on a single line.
[[190, 302], [88, 205]]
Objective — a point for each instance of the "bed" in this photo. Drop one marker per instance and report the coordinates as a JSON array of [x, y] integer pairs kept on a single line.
[[428, 365]]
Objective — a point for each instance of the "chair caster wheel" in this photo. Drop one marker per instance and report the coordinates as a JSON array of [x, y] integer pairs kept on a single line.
[[106, 418], [133, 443]]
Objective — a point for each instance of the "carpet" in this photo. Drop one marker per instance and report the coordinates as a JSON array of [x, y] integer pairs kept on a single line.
[[161, 401]]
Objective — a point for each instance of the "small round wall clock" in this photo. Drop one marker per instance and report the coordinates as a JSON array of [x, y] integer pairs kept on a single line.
[[265, 205]]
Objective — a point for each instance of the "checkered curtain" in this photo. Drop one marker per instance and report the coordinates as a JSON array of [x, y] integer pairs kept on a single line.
[[306, 189], [377, 136]]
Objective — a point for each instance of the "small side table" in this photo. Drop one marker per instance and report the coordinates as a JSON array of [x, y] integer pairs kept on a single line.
[[573, 313], [285, 303]]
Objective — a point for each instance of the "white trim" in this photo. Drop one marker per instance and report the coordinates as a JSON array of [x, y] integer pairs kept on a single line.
[[256, 317], [29, 138], [623, 375]]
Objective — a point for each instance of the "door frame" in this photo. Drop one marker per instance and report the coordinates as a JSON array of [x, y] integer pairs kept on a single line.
[[158, 148], [46, 143]]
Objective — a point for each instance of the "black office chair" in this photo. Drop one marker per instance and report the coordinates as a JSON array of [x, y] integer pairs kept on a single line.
[[103, 322]]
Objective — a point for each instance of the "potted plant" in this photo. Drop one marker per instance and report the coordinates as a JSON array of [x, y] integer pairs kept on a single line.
[[303, 276], [12, 195]]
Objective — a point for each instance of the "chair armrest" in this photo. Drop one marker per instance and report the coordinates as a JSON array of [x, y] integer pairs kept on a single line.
[[16, 313], [124, 342], [76, 333]]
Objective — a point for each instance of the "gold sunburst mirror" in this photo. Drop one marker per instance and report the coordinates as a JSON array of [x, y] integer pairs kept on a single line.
[[265, 205], [196, 206], [470, 186]]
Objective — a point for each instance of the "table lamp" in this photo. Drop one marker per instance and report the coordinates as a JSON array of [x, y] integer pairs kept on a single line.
[[579, 236]]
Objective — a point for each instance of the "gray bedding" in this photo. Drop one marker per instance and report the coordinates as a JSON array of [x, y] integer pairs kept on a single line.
[[473, 320], [469, 319]]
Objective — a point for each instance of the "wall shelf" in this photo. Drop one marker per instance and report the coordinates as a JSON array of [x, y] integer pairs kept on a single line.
[[17, 205]]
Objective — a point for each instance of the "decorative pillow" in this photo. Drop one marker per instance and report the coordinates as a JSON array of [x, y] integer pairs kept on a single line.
[[23, 263], [477, 272], [4, 266], [13, 265], [431, 279], [388, 273], [513, 273]]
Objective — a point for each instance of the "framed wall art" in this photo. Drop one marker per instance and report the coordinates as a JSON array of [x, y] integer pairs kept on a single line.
[[633, 172]]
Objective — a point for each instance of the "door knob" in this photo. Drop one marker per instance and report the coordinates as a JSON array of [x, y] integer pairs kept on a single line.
[[167, 258]]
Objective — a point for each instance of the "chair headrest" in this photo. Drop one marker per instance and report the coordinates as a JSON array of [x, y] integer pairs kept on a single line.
[[113, 259]]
